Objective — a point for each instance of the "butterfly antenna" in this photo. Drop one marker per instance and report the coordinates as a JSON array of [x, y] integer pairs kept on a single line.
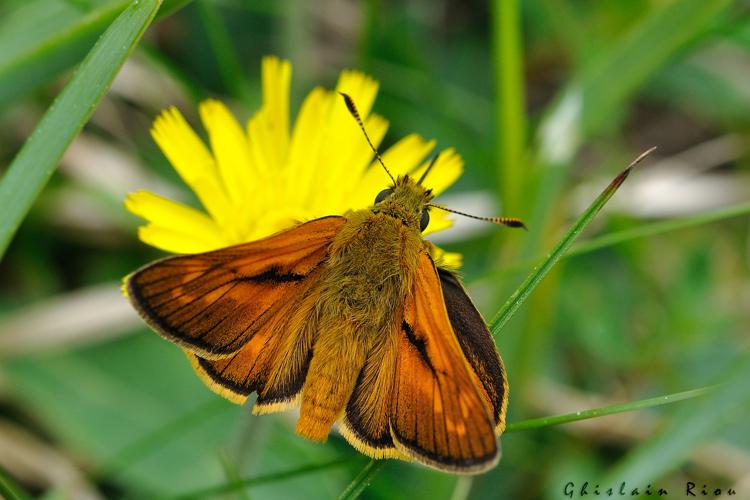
[[353, 110], [503, 221], [429, 167]]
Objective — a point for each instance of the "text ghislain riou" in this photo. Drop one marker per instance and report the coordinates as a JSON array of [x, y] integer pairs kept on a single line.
[[691, 489]]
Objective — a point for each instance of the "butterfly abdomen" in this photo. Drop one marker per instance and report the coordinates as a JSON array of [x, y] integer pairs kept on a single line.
[[363, 288]]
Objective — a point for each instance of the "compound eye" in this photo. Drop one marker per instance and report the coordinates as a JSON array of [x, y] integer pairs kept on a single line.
[[424, 220], [383, 195]]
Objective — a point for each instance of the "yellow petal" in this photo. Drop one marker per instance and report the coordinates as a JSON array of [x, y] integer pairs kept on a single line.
[[361, 88], [230, 149], [343, 139], [192, 161], [268, 130], [304, 151], [444, 173], [450, 260], [175, 241], [439, 220], [339, 199], [171, 214]]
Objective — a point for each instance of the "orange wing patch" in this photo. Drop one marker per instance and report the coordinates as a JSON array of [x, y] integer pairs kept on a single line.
[[439, 415], [213, 304], [248, 370]]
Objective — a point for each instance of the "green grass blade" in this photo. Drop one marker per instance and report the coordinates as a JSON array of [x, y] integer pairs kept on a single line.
[[510, 121], [363, 480], [536, 423], [537, 275], [39, 156], [624, 236], [232, 475], [220, 489], [9, 489], [657, 228], [727, 405]]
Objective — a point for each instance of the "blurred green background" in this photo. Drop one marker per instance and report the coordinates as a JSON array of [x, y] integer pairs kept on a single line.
[[546, 100]]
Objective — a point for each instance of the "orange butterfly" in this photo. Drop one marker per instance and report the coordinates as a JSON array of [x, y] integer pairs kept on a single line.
[[350, 318]]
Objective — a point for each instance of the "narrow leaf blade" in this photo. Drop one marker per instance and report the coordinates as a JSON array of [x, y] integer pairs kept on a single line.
[[537, 275], [40, 155]]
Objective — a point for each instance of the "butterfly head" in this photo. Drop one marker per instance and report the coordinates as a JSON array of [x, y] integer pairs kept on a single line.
[[406, 200]]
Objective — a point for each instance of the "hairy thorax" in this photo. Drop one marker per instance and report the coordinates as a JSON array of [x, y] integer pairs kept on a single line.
[[370, 272]]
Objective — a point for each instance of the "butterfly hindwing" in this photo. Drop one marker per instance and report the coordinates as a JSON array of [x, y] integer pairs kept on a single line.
[[366, 420], [213, 304], [477, 345], [439, 415]]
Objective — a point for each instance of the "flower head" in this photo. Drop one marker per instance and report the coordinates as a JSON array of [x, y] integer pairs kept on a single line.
[[256, 181]]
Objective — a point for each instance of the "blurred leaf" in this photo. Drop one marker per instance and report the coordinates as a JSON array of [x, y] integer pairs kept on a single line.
[[510, 102], [268, 478], [39, 156], [42, 38], [163, 64], [227, 62], [711, 84], [601, 87], [102, 400], [729, 402], [137, 412], [162, 436]]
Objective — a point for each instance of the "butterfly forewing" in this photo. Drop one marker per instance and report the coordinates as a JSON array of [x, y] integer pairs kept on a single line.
[[212, 304], [439, 415]]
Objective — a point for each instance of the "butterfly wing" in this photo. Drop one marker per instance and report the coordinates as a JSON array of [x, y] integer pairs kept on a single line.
[[213, 304], [251, 369], [477, 345], [439, 415], [366, 422], [274, 362]]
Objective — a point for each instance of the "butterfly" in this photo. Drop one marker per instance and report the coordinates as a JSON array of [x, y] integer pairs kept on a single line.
[[350, 318]]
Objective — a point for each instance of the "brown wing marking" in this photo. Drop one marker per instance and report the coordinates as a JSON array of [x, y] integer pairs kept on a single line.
[[213, 303], [477, 345], [248, 370], [439, 415]]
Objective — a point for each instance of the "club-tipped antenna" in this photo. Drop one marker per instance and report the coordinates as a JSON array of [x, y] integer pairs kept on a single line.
[[429, 167], [502, 221], [353, 110]]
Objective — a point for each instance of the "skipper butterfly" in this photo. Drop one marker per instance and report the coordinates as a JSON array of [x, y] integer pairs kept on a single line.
[[349, 317]]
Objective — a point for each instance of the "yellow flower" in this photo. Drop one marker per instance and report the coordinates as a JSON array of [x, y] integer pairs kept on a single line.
[[256, 181]]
